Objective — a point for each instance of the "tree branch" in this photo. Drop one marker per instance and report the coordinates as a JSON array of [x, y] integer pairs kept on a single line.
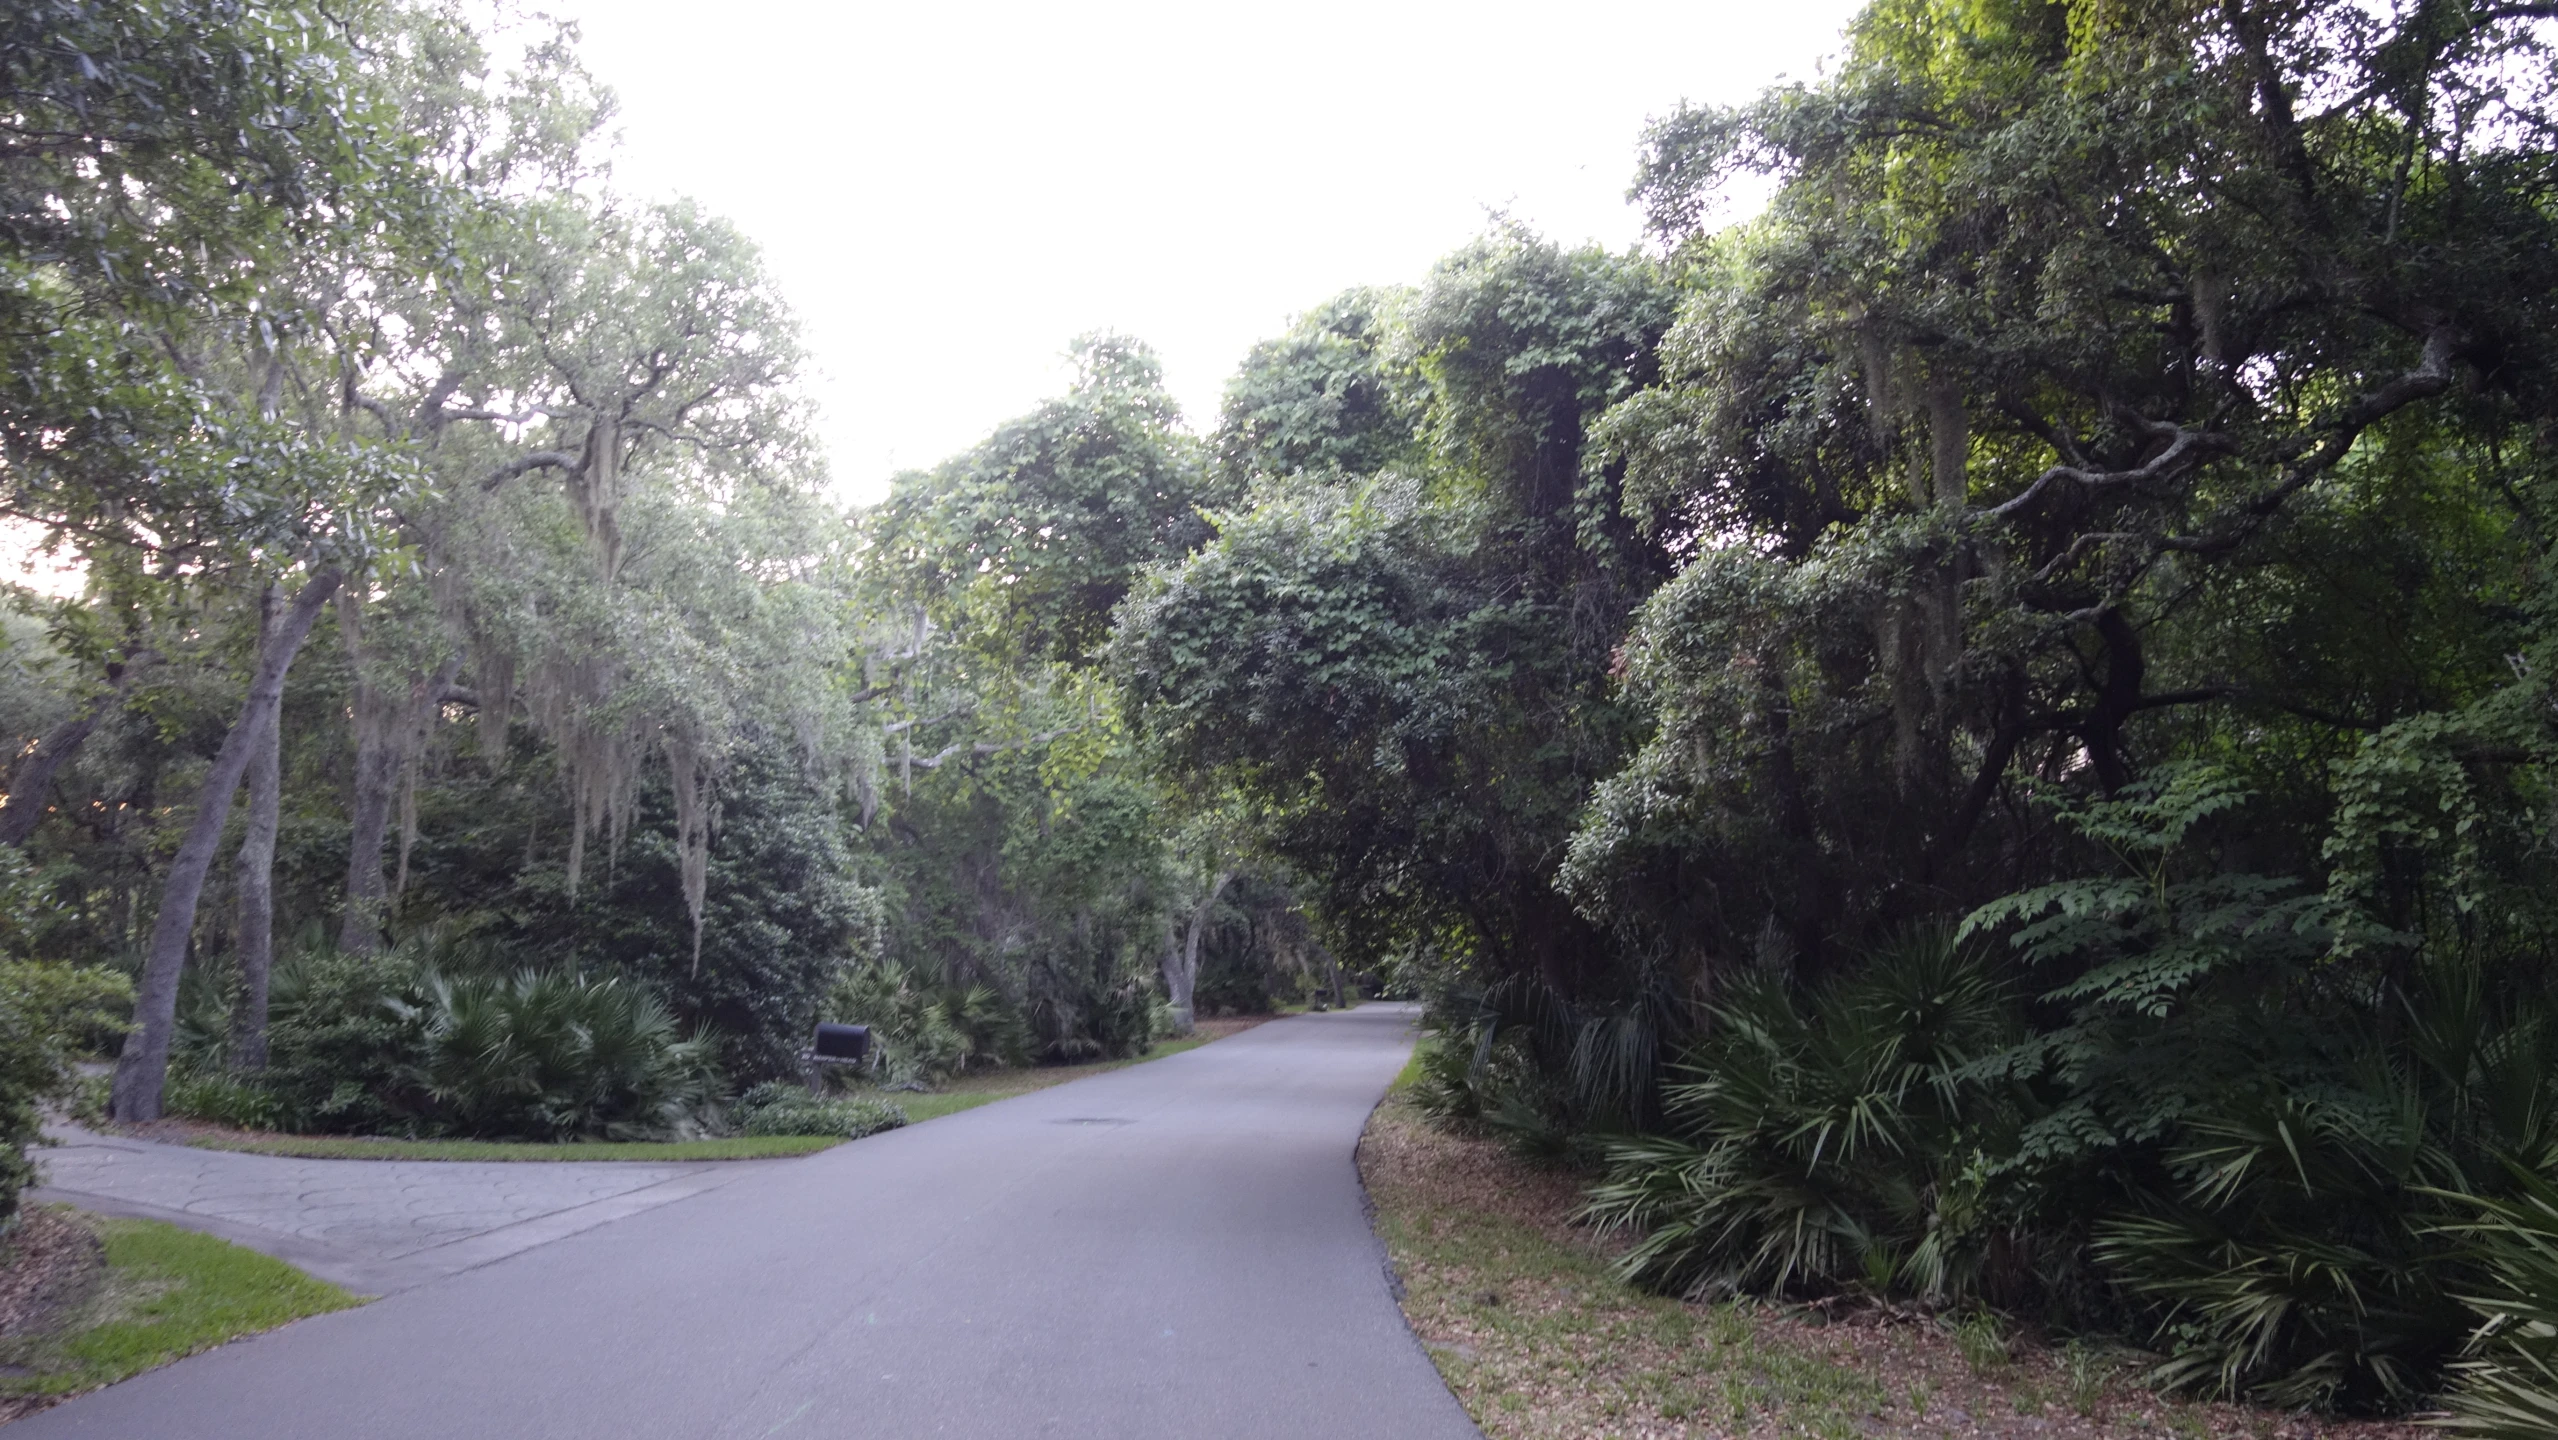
[[538, 460], [987, 747], [499, 416], [918, 724], [2187, 450], [2309, 456]]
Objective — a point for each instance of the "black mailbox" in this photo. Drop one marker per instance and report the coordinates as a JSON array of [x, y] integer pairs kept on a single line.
[[842, 1042]]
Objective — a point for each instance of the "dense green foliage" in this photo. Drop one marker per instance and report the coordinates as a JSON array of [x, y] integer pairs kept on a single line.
[[439, 1037], [775, 1108], [1981, 734], [329, 327], [48, 1011], [2097, 510], [2509, 1382]]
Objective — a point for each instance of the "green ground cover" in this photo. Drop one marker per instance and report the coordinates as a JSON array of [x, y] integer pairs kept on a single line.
[[365, 1147], [966, 1093], [167, 1294], [1539, 1336], [1541, 1341], [969, 1092]]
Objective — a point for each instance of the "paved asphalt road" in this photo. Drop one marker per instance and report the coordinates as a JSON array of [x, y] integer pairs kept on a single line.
[[1178, 1249]]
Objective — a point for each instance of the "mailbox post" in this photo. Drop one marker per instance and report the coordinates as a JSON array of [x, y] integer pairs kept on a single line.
[[831, 1047]]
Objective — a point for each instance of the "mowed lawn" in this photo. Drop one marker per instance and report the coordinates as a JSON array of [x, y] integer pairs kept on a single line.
[[164, 1294]]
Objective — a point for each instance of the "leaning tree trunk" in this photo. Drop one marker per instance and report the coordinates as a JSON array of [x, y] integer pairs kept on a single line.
[[142, 1072], [256, 883], [1181, 967], [24, 807]]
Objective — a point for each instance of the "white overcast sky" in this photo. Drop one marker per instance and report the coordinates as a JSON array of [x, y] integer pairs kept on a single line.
[[948, 193]]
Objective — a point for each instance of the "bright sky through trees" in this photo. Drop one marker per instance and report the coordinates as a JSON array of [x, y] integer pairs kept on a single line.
[[949, 193]]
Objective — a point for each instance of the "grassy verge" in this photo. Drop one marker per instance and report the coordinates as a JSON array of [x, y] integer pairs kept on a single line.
[[970, 1091], [166, 1294], [366, 1147], [1534, 1334], [1540, 1341]]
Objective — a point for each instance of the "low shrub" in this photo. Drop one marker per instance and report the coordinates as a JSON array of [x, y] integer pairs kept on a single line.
[[547, 1055], [45, 1011], [776, 1108], [223, 1099], [922, 1032], [2508, 1380], [339, 1050], [1088, 1001], [2188, 1109], [1443, 1082], [430, 1038], [1814, 1140]]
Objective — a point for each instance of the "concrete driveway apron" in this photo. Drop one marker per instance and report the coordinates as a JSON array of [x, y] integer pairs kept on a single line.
[[374, 1226]]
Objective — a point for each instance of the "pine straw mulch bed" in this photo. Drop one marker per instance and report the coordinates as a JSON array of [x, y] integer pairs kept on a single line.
[[1541, 1342]]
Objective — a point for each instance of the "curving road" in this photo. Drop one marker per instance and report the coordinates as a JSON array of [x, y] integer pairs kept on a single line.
[[1178, 1249]]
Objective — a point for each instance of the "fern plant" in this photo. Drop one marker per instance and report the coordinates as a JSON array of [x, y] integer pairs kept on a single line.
[[2262, 1135], [548, 1054], [1814, 1141], [2508, 1382], [923, 1032]]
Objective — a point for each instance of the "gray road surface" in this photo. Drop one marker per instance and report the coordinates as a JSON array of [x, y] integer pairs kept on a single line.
[[1178, 1249], [374, 1226]]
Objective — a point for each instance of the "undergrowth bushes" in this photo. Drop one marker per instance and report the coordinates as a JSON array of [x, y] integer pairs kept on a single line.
[[423, 1040], [2508, 1382], [777, 1108], [2282, 1227], [922, 1032], [49, 1013], [2204, 1109], [439, 1035], [46, 1011], [547, 1054], [1816, 1141]]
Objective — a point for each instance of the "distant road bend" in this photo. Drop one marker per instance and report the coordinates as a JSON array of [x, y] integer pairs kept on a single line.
[[1177, 1249]]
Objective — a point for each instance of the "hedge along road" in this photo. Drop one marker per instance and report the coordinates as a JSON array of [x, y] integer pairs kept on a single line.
[[1178, 1249]]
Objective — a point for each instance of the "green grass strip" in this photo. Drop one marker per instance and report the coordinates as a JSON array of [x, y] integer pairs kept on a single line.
[[168, 1293], [359, 1147], [985, 1089]]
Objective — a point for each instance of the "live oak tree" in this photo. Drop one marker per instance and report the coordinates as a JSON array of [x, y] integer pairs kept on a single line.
[[2077, 346]]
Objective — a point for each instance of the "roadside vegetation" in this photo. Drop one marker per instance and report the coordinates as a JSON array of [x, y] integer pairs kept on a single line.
[[777, 1119], [1526, 1311], [1976, 741], [118, 1297], [377, 1147], [472, 720]]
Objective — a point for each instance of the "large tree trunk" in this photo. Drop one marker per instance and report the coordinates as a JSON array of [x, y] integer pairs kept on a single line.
[[1181, 967], [24, 808], [142, 1072], [256, 883]]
